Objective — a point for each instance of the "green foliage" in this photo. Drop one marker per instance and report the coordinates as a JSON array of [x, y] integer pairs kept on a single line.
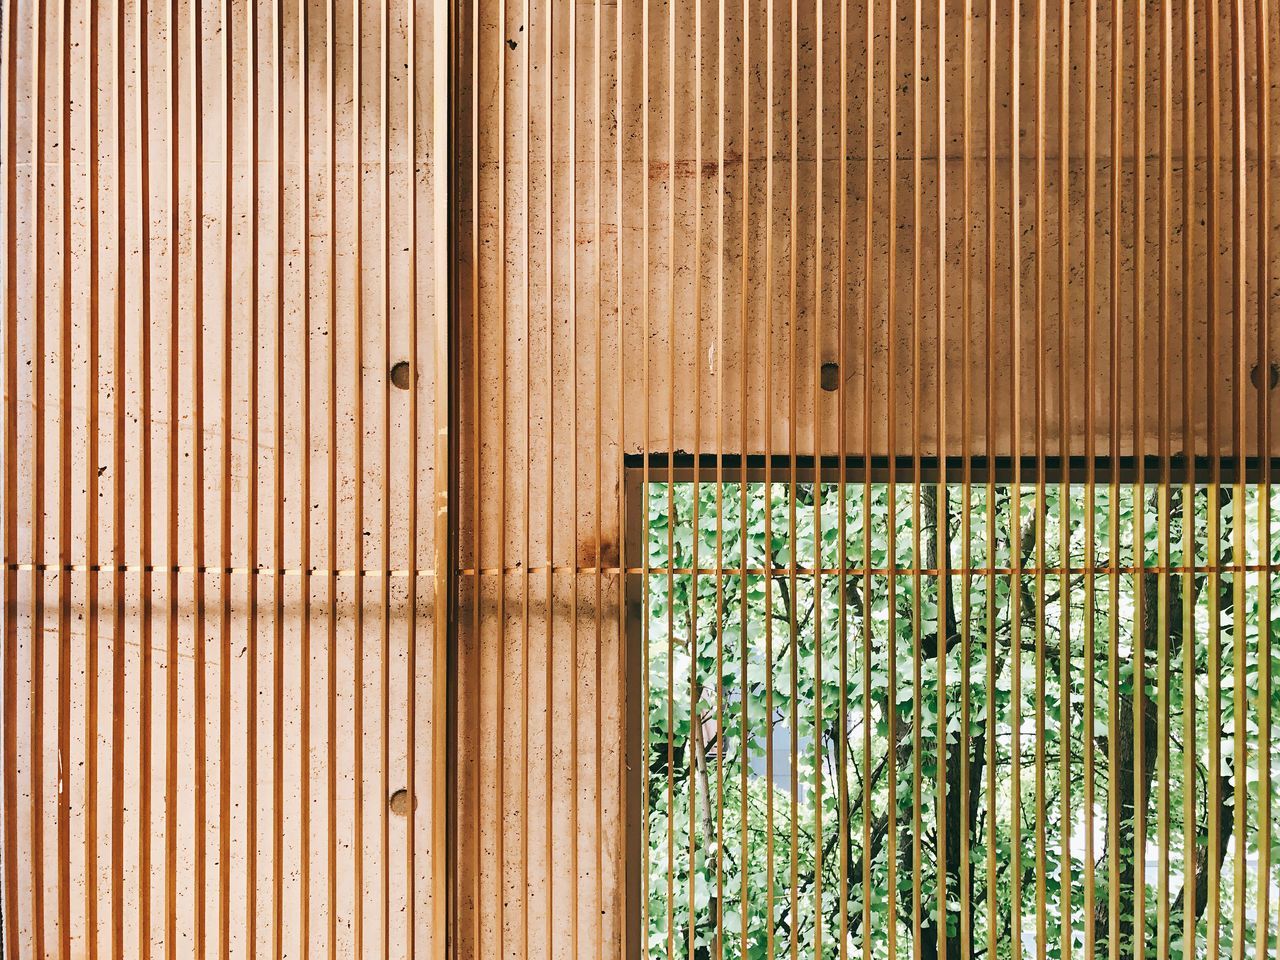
[[751, 855]]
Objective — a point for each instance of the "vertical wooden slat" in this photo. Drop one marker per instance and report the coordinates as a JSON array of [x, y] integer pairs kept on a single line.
[[92, 492], [331, 475], [412, 560], [842, 551], [549, 231], [410, 865], [942, 636], [1214, 553], [1113, 487], [200, 695], [671, 492], [626, 800], [1040, 507], [598, 378], [477, 436], [966, 483], [226, 581], [891, 558], [820, 123], [278, 560], [1239, 506], [769, 399], [719, 348], [146, 480], [645, 585], [1189, 750], [64, 693], [384, 528], [500, 429], [252, 911], [1015, 522], [1065, 437], [989, 538], [526, 135], [917, 558], [172, 479], [793, 429], [303, 111], [1262, 41], [697, 751], [868, 346], [1139, 533], [575, 872], [10, 680], [671, 414], [743, 487], [1090, 494], [793, 637], [1164, 932], [358, 473], [36, 646]]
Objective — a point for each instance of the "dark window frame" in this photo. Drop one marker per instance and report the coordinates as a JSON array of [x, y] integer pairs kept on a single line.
[[783, 468]]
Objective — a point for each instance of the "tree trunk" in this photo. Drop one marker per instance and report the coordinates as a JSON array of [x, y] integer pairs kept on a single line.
[[961, 811], [1130, 775]]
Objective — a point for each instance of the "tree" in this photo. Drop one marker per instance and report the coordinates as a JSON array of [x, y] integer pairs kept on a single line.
[[751, 855]]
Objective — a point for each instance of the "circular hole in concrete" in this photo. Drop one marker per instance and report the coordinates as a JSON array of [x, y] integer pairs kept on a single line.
[[1273, 375], [830, 376], [399, 802], [401, 375]]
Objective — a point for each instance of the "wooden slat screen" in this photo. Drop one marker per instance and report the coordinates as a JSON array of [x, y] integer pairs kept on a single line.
[[280, 278], [1026, 244], [226, 471]]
